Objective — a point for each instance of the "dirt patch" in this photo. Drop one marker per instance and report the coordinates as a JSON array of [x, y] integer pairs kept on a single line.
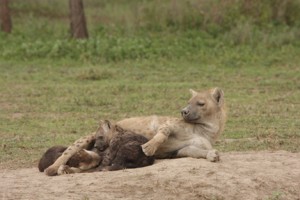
[[252, 175]]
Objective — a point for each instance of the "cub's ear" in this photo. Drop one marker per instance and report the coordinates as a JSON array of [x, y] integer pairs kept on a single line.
[[104, 127], [218, 95], [193, 92]]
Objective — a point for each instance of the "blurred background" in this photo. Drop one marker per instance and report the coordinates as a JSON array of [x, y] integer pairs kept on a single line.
[[136, 29]]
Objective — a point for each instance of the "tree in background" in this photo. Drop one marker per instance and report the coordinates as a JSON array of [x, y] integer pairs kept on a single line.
[[78, 22], [6, 24]]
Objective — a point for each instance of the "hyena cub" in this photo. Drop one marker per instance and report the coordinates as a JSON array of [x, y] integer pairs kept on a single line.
[[83, 160], [123, 148], [111, 149]]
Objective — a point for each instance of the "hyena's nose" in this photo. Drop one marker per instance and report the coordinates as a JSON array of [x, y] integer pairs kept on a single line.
[[184, 112]]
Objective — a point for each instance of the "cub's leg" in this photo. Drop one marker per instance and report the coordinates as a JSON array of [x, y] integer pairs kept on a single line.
[[108, 157], [194, 152], [113, 167], [118, 163], [130, 155], [80, 144]]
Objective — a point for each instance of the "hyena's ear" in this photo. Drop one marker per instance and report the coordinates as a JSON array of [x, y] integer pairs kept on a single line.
[[193, 92], [104, 127], [218, 95]]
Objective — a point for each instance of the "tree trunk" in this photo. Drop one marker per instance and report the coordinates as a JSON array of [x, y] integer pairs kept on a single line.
[[6, 24], [78, 23]]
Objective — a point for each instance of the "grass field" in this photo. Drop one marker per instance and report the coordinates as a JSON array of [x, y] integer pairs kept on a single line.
[[54, 90]]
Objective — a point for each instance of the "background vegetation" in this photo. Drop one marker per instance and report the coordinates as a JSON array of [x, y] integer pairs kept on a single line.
[[141, 59]]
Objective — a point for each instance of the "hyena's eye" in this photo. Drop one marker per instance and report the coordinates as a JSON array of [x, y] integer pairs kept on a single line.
[[200, 103]]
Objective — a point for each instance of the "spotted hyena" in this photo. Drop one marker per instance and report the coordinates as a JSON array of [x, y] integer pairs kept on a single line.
[[192, 135], [123, 148]]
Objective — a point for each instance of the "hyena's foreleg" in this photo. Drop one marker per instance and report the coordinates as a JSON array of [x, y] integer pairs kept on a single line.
[[78, 145], [161, 136], [195, 152]]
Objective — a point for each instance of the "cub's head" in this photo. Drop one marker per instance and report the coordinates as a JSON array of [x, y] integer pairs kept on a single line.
[[106, 131], [204, 107], [103, 135]]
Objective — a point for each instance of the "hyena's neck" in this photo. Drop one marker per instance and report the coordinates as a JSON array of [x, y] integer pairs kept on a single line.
[[210, 130], [215, 126]]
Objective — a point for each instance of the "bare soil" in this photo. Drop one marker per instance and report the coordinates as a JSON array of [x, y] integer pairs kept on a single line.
[[247, 175]]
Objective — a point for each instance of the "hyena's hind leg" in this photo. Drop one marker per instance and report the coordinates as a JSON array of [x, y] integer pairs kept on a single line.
[[50, 156], [78, 145], [80, 162], [66, 169]]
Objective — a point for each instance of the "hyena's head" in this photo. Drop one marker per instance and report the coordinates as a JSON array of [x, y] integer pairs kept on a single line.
[[106, 131], [103, 135], [204, 107]]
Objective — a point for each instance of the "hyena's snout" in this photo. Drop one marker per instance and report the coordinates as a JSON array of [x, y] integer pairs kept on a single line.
[[185, 112], [189, 114]]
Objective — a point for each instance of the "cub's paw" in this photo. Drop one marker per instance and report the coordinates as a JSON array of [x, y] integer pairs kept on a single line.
[[64, 169], [105, 169], [51, 171], [213, 156], [149, 148]]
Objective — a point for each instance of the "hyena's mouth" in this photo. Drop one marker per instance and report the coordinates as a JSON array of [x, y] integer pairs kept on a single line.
[[189, 118]]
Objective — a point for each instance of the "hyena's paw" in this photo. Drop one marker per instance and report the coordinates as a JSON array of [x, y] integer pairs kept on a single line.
[[51, 171], [149, 148], [213, 156], [64, 169]]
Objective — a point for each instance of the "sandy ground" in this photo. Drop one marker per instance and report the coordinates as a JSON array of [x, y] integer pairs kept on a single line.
[[251, 175]]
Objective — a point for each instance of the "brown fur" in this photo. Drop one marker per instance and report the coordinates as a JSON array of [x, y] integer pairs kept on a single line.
[[50, 156], [117, 148], [124, 148], [192, 135]]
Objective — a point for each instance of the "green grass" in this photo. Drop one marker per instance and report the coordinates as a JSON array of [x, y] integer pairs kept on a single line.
[[54, 90], [46, 105]]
